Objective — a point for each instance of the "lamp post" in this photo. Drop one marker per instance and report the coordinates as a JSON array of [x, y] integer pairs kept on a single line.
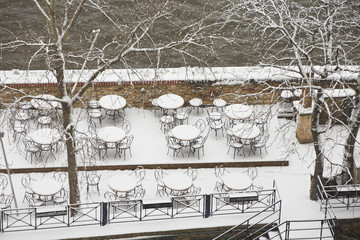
[[8, 169]]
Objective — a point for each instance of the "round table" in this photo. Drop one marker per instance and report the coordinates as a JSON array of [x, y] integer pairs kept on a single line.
[[122, 183], [237, 181], [177, 182], [45, 136], [245, 131], [185, 132], [238, 111], [46, 187], [170, 101], [112, 102], [45, 102], [111, 134]]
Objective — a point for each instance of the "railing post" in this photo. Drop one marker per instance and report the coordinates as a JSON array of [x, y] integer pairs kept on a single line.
[[104, 213], [287, 230], [207, 204]]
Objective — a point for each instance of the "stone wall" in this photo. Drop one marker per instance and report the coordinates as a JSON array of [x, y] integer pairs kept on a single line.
[[139, 94]]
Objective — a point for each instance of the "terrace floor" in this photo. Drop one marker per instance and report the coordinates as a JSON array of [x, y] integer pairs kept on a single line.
[[149, 149]]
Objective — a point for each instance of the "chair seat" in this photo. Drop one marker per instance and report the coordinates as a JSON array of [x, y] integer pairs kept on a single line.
[[94, 104], [154, 102], [236, 144], [95, 113], [44, 120], [167, 119]]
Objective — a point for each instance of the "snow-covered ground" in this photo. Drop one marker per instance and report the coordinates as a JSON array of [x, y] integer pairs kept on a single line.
[[149, 147]]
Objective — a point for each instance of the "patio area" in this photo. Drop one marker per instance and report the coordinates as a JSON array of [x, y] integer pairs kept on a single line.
[[149, 148]]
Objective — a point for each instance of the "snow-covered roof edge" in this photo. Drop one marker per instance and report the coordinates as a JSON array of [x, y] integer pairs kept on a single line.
[[224, 75]]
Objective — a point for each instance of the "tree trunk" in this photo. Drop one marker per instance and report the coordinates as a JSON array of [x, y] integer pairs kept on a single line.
[[354, 126], [319, 160], [72, 166]]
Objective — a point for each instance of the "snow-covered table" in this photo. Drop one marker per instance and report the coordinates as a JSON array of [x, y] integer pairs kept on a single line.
[[45, 136], [46, 188], [122, 183], [238, 111], [177, 183], [245, 131], [170, 101], [111, 134], [45, 102], [237, 181], [112, 104], [185, 132]]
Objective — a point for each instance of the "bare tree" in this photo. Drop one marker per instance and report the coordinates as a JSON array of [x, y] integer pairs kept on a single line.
[[134, 25], [310, 37]]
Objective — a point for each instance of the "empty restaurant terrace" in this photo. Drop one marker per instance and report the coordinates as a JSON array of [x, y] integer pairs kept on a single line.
[[177, 147]]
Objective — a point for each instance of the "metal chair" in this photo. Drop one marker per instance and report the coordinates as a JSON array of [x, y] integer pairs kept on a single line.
[[173, 145], [216, 125], [192, 173], [110, 196], [59, 176], [25, 182], [33, 201], [3, 182], [182, 116], [235, 144], [92, 180], [253, 173], [220, 171], [5, 201], [199, 144], [201, 125], [126, 126], [167, 122], [139, 173], [124, 145], [31, 148], [62, 197], [18, 128], [259, 144], [161, 189]]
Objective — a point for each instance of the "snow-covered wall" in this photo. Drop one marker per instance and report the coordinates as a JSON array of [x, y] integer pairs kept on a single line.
[[228, 75]]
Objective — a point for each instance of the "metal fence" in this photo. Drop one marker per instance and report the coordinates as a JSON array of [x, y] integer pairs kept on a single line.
[[102, 213]]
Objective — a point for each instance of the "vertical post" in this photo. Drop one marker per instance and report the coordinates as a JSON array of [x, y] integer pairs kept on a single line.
[[7, 169], [104, 213], [207, 204]]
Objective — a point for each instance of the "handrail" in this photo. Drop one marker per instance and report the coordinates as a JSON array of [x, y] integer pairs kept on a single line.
[[246, 222]]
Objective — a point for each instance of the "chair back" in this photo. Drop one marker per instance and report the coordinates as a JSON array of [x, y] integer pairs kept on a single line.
[[139, 174], [201, 125], [220, 171], [126, 126], [93, 179], [110, 196], [129, 140], [159, 174], [26, 180], [3, 182], [252, 172], [59, 176], [192, 173]]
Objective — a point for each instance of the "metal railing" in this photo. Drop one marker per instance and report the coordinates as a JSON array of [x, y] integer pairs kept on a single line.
[[102, 213], [255, 225], [301, 229]]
